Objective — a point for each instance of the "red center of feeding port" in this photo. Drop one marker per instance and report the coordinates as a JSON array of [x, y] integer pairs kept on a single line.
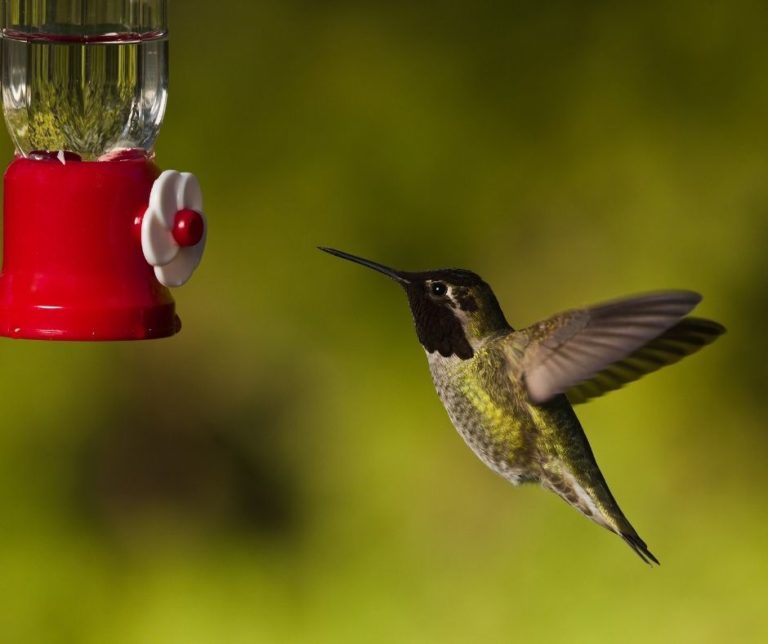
[[188, 228]]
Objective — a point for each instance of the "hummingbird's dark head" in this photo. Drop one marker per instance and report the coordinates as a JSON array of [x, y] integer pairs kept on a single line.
[[453, 309]]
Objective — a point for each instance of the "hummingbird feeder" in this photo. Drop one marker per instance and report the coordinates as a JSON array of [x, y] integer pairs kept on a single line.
[[94, 233]]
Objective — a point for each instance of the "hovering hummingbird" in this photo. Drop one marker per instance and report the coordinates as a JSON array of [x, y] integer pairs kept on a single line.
[[509, 393]]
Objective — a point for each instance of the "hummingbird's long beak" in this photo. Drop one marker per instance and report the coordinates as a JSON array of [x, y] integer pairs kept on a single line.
[[398, 276]]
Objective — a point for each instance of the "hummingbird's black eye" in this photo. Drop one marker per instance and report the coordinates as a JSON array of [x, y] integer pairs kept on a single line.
[[438, 288]]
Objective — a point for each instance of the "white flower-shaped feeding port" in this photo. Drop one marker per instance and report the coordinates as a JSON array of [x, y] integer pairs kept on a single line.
[[174, 229]]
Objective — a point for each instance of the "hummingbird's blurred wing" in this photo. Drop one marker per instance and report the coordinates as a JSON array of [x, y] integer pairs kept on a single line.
[[597, 349]]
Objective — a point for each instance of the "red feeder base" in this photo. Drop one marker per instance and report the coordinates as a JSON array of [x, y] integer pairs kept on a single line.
[[73, 267]]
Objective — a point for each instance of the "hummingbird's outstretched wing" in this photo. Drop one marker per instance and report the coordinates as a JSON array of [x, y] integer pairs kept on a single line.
[[589, 351], [686, 337]]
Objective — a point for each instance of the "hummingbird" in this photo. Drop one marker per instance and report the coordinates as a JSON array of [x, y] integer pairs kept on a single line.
[[510, 393]]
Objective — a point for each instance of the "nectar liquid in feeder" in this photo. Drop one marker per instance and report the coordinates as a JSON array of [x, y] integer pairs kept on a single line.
[[89, 98], [90, 239]]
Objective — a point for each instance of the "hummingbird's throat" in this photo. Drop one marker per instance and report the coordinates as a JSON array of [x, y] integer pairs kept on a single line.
[[438, 327]]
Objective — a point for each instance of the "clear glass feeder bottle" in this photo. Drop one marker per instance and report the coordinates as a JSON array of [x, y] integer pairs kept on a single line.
[[86, 77]]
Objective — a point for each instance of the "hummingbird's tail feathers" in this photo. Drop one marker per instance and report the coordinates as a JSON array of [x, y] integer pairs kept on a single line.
[[616, 522], [638, 545], [683, 339], [596, 503]]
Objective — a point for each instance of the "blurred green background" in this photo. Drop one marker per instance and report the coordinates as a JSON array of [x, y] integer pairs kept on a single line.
[[282, 471]]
